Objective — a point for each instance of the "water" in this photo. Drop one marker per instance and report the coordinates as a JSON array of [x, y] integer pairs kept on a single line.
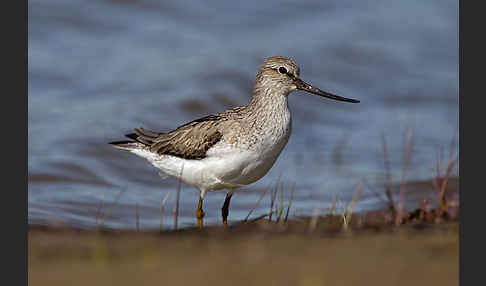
[[99, 68]]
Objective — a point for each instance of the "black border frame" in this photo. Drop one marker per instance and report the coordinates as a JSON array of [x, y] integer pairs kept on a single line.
[[15, 129]]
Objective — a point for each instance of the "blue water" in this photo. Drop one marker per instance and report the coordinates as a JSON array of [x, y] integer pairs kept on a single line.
[[97, 69]]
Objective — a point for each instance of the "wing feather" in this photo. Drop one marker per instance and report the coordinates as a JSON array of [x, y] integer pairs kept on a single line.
[[189, 141]]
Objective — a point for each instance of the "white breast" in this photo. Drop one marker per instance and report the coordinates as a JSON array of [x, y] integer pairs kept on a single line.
[[247, 164]]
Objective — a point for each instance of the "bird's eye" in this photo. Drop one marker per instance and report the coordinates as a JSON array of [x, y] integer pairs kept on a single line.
[[282, 70]]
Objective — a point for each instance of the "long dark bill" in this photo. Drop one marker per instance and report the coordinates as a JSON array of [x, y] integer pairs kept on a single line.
[[302, 85]]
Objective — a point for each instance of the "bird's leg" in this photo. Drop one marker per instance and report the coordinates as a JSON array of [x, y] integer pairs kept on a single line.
[[200, 213], [225, 209]]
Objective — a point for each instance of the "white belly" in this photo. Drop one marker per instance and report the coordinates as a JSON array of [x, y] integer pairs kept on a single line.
[[241, 167], [224, 167]]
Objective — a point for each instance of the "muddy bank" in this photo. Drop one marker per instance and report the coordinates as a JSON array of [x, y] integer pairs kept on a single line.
[[247, 254]]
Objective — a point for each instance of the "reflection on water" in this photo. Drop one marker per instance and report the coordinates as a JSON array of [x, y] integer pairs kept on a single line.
[[99, 68]]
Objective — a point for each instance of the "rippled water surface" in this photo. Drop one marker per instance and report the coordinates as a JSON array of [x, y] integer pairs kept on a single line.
[[99, 68]]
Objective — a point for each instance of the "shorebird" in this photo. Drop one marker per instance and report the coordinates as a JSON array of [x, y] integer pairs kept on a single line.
[[234, 148]]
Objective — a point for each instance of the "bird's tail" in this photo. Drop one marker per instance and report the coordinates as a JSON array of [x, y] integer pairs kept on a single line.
[[140, 139]]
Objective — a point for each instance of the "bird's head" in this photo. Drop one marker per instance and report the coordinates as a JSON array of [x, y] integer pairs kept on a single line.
[[283, 74]]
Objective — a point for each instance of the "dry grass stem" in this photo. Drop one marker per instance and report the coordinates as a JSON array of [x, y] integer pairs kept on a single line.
[[333, 205], [256, 218], [281, 207], [273, 196], [405, 162], [98, 211], [314, 219], [349, 212], [176, 203], [290, 202], [441, 180], [388, 177], [162, 207], [108, 213], [256, 205], [137, 218]]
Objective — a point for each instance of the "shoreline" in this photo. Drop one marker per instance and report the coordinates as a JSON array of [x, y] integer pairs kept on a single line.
[[367, 248], [257, 253]]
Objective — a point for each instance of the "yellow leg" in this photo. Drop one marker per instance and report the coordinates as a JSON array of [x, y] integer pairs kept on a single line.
[[225, 209], [200, 214]]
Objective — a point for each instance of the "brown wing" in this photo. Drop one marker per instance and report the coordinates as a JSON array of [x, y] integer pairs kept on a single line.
[[189, 141]]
